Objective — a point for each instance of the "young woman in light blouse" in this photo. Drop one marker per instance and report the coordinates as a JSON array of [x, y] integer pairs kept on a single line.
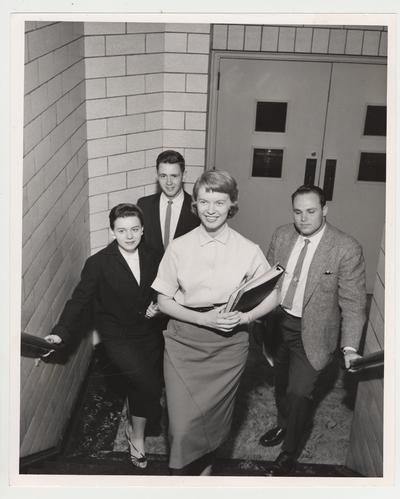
[[206, 348]]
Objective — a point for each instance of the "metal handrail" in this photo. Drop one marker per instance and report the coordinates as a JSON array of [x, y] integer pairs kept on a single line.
[[375, 359], [35, 346]]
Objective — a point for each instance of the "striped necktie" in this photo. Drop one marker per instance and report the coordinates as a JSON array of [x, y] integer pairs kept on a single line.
[[167, 225], [291, 290]]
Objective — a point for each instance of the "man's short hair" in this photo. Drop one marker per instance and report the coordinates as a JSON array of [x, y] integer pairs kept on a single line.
[[124, 210], [307, 189], [171, 157]]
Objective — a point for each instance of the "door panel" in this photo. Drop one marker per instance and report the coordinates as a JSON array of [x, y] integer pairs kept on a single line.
[[326, 107], [264, 203], [357, 207]]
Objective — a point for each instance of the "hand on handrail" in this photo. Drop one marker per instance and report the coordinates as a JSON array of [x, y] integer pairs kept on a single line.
[[51, 338]]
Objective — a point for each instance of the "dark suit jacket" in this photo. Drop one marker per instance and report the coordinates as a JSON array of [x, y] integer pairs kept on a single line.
[[150, 206], [335, 295], [108, 285]]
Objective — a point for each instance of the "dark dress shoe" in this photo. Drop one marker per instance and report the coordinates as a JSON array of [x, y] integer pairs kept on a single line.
[[283, 465], [272, 437]]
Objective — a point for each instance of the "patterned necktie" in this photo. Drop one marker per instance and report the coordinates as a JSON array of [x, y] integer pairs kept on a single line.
[[291, 290], [167, 225]]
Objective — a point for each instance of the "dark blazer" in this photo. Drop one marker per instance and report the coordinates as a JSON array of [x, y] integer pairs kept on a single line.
[[335, 295], [108, 285], [150, 206]]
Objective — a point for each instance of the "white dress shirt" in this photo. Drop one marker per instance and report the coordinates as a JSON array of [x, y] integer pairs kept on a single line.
[[297, 307], [132, 259], [198, 270], [176, 208]]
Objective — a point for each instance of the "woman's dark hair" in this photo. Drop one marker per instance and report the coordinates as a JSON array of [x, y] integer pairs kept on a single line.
[[307, 189], [124, 210], [217, 181]]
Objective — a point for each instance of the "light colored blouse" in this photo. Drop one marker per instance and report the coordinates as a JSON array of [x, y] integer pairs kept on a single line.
[[132, 259], [198, 270]]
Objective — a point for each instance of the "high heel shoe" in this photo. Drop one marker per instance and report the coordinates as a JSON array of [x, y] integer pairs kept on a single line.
[[138, 461]]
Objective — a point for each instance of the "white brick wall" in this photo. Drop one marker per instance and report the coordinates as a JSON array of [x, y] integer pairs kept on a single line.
[[173, 120], [235, 37], [125, 85], [186, 63], [196, 83], [220, 35], [104, 108], [149, 82], [106, 147], [107, 183], [55, 222], [125, 44], [105, 66], [366, 439], [175, 42], [144, 103], [195, 121], [143, 141], [155, 82], [96, 88], [371, 43], [286, 39], [303, 39], [252, 38], [320, 40], [353, 40], [146, 91], [126, 162], [198, 43]]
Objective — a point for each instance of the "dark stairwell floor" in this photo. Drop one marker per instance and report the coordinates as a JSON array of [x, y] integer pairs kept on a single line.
[[95, 444]]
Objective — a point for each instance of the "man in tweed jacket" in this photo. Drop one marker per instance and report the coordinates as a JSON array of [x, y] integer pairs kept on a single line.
[[326, 310]]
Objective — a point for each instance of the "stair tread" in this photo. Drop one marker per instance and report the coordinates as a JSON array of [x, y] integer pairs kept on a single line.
[[117, 463]]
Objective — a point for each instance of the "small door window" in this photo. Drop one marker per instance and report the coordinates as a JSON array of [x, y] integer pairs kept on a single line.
[[267, 163], [372, 167], [271, 117], [375, 121]]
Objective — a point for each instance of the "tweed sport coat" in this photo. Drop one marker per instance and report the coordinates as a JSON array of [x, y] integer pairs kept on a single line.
[[335, 296], [150, 206]]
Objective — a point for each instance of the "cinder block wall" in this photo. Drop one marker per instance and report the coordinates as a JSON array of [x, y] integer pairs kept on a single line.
[[146, 92], [343, 40], [55, 219], [147, 87], [366, 439]]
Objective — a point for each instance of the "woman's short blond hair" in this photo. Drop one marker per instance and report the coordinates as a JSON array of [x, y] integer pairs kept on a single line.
[[217, 181]]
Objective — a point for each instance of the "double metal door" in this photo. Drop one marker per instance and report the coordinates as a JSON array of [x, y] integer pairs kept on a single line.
[[281, 123]]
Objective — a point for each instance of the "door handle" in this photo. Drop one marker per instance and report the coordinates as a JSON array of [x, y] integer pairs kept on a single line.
[[329, 178], [309, 172]]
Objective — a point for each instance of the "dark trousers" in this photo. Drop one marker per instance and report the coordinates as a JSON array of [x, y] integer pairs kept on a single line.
[[140, 361], [295, 379]]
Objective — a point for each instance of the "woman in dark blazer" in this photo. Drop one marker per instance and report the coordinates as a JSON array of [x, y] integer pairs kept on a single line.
[[116, 281]]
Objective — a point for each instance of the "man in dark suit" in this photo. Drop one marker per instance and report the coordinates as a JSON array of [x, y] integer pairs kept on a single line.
[[322, 294], [168, 214]]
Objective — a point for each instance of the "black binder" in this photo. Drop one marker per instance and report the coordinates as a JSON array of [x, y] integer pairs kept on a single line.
[[253, 292]]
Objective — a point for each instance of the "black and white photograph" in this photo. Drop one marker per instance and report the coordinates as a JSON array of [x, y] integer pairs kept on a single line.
[[205, 213]]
